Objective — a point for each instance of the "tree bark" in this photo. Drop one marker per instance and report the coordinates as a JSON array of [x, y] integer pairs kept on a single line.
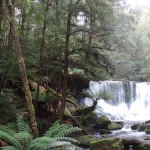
[[66, 54], [1, 13], [25, 83], [43, 34]]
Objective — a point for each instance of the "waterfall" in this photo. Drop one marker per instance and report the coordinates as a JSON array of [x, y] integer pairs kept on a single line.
[[130, 100]]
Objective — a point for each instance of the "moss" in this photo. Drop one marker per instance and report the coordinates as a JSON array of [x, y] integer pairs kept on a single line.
[[107, 144], [86, 139], [114, 126], [103, 120], [144, 146]]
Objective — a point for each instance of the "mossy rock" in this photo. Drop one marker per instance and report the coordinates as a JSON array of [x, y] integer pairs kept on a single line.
[[90, 120], [114, 126], [147, 130], [107, 144], [144, 146], [141, 128], [135, 126], [103, 131], [86, 139], [103, 121]]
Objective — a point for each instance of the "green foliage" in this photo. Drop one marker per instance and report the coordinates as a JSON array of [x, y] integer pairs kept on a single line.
[[22, 125], [10, 139], [41, 143], [8, 148], [60, 130], [7, 110], [24, 140]]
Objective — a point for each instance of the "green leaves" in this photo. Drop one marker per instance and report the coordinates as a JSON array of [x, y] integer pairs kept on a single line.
[[24, 140], [60, 130]]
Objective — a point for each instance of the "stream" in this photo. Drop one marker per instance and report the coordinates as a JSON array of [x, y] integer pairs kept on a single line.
[[130, 104]]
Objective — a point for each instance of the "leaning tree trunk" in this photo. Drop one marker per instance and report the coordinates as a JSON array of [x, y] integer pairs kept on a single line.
[[25, 83], [66, 53]]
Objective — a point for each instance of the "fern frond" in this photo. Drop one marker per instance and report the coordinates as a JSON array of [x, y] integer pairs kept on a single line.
[[53, 130], [68, 139], [10, 139], [41, 143], [7, 129], [61, 130], [24, 138], [8, 148], [67, 131], [22, 125]]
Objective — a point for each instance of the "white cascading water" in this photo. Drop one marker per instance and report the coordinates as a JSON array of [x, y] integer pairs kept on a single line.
[[129, 103]]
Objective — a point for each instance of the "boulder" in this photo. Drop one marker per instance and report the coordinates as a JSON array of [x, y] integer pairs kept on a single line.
[[104, 131], [102, 122], [114, 126], [135, 126], [142, 146], [86, 139], [99, 122], [148, 121], [147, 130], [107, 144], [90, 120], [141, 128]]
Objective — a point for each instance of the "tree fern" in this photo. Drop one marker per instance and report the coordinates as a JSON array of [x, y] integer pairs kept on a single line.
[[10, 139], [8, 148], [24, 138], [22, 125], [7, 129], [41, 143]]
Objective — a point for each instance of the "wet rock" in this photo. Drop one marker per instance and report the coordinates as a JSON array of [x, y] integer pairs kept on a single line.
[[141, 128], [86, 139], [130, 143], [114, 126], [107, 144], [99, 122], [103, 131], [102, 122], [148, 121], [135, 126], [147, 130], [90, 120], [144, 146]]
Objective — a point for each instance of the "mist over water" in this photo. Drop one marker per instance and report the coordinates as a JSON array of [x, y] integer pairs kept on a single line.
[[130, 100]]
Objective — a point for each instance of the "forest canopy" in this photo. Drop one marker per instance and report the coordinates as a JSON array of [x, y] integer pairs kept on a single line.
[[51, 49]]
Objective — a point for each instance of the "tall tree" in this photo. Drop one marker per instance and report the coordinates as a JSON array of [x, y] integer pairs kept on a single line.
[[25, 83], [66, 63]]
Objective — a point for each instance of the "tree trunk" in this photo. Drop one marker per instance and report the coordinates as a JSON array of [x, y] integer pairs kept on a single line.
[[43, 34], [1, 13], [66, 54], [25, 83]]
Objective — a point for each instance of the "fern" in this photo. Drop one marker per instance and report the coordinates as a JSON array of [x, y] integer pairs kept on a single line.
[[41, 143], [24, 138], [7, 129], [62, 130], [8, 148], [22, 126], [10, 139], [69, 139]]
